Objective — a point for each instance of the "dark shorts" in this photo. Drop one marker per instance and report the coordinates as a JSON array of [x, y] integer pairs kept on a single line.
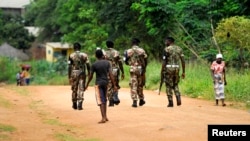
[[101, 94]]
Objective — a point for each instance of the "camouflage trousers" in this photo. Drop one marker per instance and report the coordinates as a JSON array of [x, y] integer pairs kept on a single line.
[[136, 83], [110, 87], [172, 79], [77, 87]]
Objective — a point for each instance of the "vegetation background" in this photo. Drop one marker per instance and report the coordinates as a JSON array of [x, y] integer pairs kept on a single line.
[[197, 84], [202, 28]]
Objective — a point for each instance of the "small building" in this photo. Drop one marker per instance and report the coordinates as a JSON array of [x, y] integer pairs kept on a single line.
[[15, 7], [54, 50]]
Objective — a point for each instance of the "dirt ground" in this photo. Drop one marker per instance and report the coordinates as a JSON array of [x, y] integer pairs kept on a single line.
[[44, 113]]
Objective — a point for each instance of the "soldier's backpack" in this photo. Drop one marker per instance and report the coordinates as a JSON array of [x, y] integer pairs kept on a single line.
[[78, 62], [111, 58], [138, 58], [173, 56]]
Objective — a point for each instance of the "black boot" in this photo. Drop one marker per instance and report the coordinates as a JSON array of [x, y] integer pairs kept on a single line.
[[111, 103], [116, 99], [134, 103], [141, 102], [74, 106], [80, 105], [178, 99], [170, 101]]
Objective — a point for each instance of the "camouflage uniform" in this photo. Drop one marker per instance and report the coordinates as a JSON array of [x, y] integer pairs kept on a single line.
[[135, 58], [116, 63], [77, 74], [171, 59]]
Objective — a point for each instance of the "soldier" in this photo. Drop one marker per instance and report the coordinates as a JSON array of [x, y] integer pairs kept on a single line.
[[172, 56], [136, 58], [78, 64], [116, 64], [102, 69]]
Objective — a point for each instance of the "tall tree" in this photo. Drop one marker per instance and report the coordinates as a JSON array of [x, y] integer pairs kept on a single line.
[[13, 32], [233, 36], [93, 21], [158, 18], [42, 14]]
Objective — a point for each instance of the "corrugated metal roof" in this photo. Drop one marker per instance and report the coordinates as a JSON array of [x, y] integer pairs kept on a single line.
[[14, 3]]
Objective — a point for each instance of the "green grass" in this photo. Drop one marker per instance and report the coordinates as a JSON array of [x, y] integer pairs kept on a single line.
[[4, 102], [5, 131], [6, 128], [197, 82], [66, 137]]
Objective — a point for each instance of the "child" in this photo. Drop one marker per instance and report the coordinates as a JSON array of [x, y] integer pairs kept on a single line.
[[102, 69], [18, 78]]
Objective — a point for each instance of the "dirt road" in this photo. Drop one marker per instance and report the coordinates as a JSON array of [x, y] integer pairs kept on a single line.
[[44, 113]]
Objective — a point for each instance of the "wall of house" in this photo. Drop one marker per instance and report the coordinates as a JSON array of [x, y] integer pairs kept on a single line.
[[13, 11], [49, 53], [53, 53]]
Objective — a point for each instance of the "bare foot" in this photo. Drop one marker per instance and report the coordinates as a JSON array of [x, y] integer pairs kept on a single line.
[[107, 119], [102, 121]]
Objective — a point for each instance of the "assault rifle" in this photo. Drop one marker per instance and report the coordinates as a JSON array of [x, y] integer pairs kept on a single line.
[[143, 79], [166, 54], [162, 80]]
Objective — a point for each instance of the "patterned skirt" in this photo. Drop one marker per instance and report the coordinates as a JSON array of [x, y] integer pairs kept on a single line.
[[219, 86]]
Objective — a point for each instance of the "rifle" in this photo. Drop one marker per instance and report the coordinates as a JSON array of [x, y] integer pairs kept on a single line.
[[143, 80], [162, 80], [166, 54]]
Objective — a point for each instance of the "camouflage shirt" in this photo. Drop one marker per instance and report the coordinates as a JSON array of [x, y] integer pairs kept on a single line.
[[114, 57], [136, 56], [172, 55], [77, 60]]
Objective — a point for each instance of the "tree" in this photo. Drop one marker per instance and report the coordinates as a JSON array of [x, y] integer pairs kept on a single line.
[[91, 22], [14, 33], [41, 13], [79, 22], [233, 37]]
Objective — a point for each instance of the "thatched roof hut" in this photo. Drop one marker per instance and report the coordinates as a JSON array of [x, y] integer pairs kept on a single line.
[[9, 51]]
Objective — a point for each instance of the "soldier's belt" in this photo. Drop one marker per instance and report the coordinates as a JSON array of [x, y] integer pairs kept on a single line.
[[115, 69], [76, 70], [138, 67], [172, 66]]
